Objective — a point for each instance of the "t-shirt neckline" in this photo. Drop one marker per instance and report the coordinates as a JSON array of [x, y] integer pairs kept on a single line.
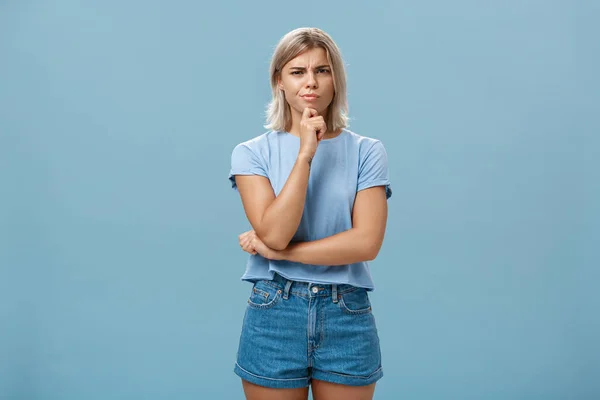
[[322, 141]]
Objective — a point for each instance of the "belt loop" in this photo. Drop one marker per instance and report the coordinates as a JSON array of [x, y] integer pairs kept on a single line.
[[334, 294], [286, 291]]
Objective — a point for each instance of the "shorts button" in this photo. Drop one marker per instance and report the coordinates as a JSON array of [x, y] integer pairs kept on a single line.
[[315, 289]]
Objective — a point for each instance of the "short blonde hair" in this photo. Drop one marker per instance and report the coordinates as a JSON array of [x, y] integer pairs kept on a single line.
[[293, 43]]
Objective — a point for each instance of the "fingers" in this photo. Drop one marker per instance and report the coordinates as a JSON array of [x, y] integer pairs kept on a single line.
[[321, 133], [249, 249], [246, 240], [241, 235], [320, 130], [245, 235], [309, 113], [316, 124]]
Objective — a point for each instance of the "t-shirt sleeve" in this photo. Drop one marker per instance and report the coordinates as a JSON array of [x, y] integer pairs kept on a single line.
[[373, 170], [244, 161]]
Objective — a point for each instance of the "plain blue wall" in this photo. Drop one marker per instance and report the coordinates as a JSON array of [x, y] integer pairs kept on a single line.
[[119, 261]]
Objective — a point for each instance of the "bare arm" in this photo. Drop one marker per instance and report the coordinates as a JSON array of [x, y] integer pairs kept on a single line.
[[360, 243], [275, 219]]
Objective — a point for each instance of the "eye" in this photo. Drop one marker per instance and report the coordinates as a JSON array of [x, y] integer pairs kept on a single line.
[[296, 72], [324, 70]]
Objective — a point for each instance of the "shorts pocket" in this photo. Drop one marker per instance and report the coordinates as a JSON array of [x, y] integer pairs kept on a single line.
[[264, 295], [355, 302]]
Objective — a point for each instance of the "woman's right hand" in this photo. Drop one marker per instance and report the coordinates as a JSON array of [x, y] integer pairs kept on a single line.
[[312, 131]]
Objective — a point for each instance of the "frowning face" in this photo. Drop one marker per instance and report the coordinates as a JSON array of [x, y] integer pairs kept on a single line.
[[307, 81]]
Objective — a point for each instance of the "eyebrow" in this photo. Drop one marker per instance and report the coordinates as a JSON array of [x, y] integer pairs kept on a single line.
[[303, 68]]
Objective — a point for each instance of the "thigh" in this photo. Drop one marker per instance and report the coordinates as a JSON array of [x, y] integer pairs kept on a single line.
[[256, 392], [348, 352], [322, 390], [273, 344]]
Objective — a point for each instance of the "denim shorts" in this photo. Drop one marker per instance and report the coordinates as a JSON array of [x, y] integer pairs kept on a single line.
[[295, 331]]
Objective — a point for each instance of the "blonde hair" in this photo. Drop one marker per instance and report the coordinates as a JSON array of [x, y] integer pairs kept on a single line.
[[293, 43]]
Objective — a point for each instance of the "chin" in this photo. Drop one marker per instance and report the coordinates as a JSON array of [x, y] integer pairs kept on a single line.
[[300, 108]]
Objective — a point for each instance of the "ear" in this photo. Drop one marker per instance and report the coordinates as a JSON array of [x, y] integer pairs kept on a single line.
[[279, 83]]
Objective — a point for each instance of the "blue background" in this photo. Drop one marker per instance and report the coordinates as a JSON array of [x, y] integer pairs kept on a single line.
[[119, 260]]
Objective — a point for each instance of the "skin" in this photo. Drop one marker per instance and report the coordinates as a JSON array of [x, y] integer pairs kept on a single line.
[[309, 73], [276, 219], [360, 243]]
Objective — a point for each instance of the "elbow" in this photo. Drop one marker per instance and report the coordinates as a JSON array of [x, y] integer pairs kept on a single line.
[[372, 250], [279, 246], [272, 240], [275, 243], [370, 256]]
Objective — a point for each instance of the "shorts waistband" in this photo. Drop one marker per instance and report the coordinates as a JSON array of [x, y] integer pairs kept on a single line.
[[310, 288]]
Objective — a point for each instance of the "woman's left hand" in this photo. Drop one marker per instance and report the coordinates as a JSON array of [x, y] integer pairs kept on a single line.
[[252, 244], [246, 242]]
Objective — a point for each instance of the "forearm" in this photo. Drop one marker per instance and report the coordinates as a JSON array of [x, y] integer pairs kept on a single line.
[[346, 247], [281, 219]]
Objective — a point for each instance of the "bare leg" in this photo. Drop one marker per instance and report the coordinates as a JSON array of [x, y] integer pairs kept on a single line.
[[332, 391], [256, 392]]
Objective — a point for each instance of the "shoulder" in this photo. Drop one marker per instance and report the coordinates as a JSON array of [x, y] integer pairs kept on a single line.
[[258, 147], [363, 143], [257, 142]]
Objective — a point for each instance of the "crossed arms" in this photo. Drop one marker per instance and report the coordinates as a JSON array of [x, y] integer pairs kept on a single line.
[[275, 220]]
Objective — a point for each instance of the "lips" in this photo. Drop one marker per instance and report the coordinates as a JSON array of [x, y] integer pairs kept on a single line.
[[309, 96]]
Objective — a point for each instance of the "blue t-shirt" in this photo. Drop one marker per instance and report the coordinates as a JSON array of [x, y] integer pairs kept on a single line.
[[341, 167]]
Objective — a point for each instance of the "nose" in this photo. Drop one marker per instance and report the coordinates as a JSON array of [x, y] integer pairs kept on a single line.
[[312, 82]]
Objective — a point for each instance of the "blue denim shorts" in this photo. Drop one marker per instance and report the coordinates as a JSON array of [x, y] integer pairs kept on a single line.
[[295, 331]]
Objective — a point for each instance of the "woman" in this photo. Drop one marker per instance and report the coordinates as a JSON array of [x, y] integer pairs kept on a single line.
[[316, 196]]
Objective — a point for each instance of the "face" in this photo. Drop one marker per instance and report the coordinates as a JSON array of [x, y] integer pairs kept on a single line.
[[308, 74]]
